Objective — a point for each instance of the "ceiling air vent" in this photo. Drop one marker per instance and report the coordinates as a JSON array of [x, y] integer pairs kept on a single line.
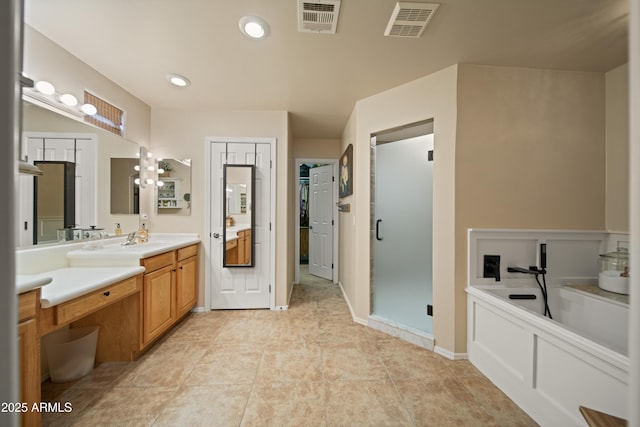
[[318, 16], [410, 19]]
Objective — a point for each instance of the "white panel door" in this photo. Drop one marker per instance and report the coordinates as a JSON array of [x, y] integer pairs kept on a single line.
[[321, 221], [241, 287]]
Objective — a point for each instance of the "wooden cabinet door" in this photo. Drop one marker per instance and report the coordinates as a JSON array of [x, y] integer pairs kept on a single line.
[[241, 243], [158, 302], [187, 285], [29, 370]]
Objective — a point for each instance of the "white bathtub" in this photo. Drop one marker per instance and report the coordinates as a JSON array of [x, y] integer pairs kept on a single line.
[[551, 367]]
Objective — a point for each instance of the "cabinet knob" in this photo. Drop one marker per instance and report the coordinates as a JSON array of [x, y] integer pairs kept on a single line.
[[180, 267], [106, 294]]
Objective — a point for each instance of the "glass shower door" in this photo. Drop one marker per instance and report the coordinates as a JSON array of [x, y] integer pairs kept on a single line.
[[403, 232]]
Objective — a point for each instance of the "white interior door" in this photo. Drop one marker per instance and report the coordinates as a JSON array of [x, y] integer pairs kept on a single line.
[[241, 287], [321, 221]]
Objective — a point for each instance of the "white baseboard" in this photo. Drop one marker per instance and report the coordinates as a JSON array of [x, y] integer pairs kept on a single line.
[[419, 338], [353, 315], [449, 354], [280, 308], [198, 310]]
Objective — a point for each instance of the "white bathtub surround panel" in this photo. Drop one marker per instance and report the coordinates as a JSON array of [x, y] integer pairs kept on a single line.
[[414, 336], [572, 256], [70, 283], [603, 321], [547, 369]]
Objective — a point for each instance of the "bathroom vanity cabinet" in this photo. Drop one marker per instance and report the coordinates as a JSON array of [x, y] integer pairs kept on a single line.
[[169, 290], [29, 348]]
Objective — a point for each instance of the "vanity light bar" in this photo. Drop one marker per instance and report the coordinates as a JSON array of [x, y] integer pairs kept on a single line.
[[45, 92]]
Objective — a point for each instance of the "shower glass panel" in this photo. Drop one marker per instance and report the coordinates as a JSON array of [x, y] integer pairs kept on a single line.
[[403, 234]]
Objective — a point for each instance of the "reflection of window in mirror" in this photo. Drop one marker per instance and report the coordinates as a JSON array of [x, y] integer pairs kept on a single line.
[[173, 197]]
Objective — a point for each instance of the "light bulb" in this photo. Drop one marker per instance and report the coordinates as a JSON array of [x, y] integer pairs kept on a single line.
[[151, 168], [89, 109], [45, 87], [160, 170], [160, 183], [136, 168], [137, 181], [149, 181], [68, 99]]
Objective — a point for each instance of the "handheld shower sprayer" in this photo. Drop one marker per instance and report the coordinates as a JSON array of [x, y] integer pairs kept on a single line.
[[537, 271]]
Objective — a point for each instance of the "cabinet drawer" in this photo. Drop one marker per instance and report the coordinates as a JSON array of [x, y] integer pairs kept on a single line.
[[77, 308], [187, 252], [28, 305], [155, 262], [231, 244]]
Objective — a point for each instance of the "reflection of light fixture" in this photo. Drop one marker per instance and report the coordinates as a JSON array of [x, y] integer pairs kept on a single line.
[[88, 109], [45, 92], [68, 100], [178, 80], [254, 27], [160, 184], [229, 190], [45, 87]]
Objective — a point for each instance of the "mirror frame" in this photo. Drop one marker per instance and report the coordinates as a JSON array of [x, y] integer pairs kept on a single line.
[[224, 215]]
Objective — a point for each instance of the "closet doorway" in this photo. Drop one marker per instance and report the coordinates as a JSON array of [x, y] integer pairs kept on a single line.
[[316, 218]]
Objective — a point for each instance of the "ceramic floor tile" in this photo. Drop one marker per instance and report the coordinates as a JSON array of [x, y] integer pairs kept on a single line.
[[286, 404], [351, 363], [225, 368], [290, 366], [206, 406], [309, 365], [441, 402], [130, 406], [407, 361], [364, 403]]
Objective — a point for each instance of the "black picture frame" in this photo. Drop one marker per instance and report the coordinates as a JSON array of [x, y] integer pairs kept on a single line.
[[345, 177]]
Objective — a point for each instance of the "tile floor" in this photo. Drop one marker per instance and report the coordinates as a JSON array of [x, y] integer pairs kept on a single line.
[[308, 366]]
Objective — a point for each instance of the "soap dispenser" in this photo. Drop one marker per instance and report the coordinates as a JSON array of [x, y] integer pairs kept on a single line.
[[143, 234], [118, 229]]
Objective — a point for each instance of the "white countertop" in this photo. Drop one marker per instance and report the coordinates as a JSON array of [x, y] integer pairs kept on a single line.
[[70, 283], [29, 282], [116, 255]]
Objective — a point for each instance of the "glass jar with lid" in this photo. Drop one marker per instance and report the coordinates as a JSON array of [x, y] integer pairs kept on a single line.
[[614, 271]]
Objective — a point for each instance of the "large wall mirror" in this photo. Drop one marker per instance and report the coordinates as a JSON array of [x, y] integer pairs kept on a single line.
[[50, 136], [173, 197], [238, 182]]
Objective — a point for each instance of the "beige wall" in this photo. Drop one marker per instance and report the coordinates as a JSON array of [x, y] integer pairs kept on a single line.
[[529, 154], [316, 148], [45, 60], [617, 158], [433, 96], [181, 134]]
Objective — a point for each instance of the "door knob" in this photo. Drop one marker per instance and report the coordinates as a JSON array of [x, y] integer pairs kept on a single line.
[[216, 235]]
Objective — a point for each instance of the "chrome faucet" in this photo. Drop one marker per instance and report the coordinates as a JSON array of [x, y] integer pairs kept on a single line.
[[131, 239]]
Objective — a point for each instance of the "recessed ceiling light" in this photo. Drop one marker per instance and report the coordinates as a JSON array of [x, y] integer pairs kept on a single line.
[[254, 27], [178, 80]]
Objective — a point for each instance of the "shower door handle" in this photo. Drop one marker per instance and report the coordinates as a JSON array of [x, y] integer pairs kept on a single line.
[[378, 229]]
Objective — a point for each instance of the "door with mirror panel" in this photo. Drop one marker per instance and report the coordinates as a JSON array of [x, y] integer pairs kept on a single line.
[[233, 287]]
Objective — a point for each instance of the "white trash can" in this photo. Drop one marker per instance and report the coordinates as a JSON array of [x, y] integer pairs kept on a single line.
[[71, 352]]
